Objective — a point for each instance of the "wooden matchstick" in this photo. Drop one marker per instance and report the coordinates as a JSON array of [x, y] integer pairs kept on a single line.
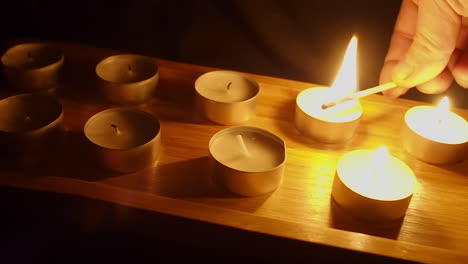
[[360, 94]]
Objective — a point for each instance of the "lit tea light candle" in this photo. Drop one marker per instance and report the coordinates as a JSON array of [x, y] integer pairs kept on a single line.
[[435, 134], [248, 161], [33, 66], [226, 97], [372, 185], [338, 123], [127, 78], [127, 139], [29, 121]]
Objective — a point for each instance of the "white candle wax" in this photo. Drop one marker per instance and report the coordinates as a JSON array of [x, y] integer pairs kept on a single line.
[[311, 101], [226, 97], [128, 139], [450, 129], [226, 87], [262, 154], [248, 161], [121, 128], [336, 124], [373, 190], [435, 135]]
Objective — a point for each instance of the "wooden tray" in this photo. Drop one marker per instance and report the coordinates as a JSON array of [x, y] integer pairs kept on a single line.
[[435, 228]]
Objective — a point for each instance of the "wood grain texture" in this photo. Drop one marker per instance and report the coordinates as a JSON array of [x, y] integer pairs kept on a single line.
[[435, 228]]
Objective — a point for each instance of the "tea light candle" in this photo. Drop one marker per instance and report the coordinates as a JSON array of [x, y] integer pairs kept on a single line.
[[435, 134], [338, 123], [248, 161], [33, 66], [29, 121], [127, 139], [127, 78], [372, 185], [226, 97]]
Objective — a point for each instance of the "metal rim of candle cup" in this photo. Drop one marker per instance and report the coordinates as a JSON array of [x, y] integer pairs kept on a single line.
[[106, 153], [217, 111], [131, 92], [428, 150], [330, 132], [32, 78], [368, 208], [229, 172]]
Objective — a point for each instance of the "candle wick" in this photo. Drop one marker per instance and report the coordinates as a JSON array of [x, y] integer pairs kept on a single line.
[[129, 67], [116, 128], [241, 142], [30, 57], [228, 87], [28, 116]]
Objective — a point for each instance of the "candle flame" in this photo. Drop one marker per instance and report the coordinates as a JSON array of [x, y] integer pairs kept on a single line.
[[346, 79], [442, 110], [379, 159]]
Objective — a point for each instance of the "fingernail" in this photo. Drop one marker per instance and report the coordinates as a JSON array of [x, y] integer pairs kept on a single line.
[[402, 71]]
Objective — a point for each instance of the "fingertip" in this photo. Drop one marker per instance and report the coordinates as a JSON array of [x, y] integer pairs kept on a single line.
[[395, 92], [460, 70], [437, 85]]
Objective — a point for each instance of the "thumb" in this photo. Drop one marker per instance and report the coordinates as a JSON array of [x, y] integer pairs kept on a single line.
[[434, 41]]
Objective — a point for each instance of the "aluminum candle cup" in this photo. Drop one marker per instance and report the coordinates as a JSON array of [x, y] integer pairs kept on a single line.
[[126, 139], [336, 124], [28, 122], [226, 97], [33, 66], [370, 191], [434, 140], [127, 78], [248, 161]]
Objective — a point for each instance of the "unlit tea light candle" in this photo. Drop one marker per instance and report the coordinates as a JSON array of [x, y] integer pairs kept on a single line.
[[127, 139], [226, 97], [248, 161], [127, 78], [373, 185], [29, 121], [33, 66], [435, 134]]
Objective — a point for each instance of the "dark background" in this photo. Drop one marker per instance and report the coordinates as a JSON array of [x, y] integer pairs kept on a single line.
[[293, 39]]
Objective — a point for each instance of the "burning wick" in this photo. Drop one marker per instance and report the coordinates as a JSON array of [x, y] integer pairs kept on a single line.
[[241, 142], [228, 87], [116, 129], [442, 110], [379, 160]]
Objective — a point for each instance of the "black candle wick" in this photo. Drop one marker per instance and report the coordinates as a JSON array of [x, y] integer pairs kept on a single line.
[[229, 86], [115, 127], [28, 115]]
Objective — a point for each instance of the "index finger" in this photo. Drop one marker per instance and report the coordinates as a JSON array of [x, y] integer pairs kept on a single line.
[[402, 38]]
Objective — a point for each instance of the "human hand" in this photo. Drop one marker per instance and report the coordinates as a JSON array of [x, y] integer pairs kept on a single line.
[[429, 47]]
